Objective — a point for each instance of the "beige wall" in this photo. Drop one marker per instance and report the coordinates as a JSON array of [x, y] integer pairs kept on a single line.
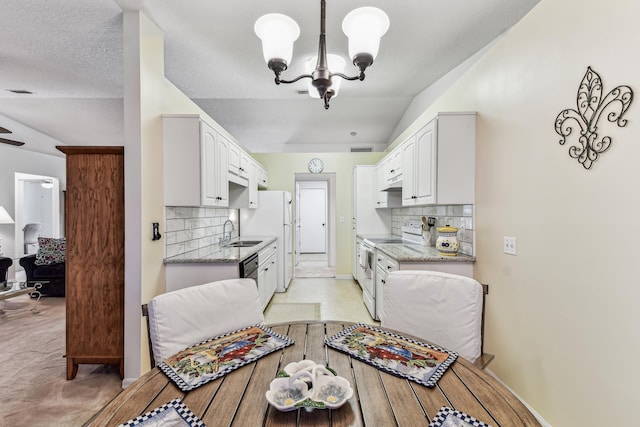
[[282, 168], [562, 315]]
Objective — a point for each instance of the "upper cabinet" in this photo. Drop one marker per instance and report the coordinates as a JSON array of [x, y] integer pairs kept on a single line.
[[195, 163], [418, 160], [438, 162], [263, 178], [204, 168], [392, 170], [238, 165]]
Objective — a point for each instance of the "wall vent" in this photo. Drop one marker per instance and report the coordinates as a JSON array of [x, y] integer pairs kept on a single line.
[[361, 149]]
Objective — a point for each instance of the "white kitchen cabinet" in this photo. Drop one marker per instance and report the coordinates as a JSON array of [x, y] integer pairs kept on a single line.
[[418, 157], [238, 165], [195, 167], [381, 199], [355, 262], [254, 173], [263, 178], [439, 162], [387, 196], [384, 265], [393, 170], [245, 196], [267, 273]]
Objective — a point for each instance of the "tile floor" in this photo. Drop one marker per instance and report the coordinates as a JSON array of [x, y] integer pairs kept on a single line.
[[338, 299]]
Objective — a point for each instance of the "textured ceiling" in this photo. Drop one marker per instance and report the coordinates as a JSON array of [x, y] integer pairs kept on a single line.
[[69, 54]]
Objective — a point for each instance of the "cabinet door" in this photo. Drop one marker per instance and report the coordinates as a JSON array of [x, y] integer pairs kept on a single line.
[[425, 167], [394, 166], [272, 279], [254, 170], [221, 171], [381, 181], [263, 178], [234, 159], [244, 164], [408, 166], [209, 178]]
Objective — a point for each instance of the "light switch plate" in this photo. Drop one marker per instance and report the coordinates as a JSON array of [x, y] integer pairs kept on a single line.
[[510, 245]]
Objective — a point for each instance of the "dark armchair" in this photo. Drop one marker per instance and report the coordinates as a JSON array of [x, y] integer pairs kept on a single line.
[[5, 263], [51, 273]]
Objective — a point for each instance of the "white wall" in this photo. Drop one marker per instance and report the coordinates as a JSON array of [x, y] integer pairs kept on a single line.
[[562, 315]]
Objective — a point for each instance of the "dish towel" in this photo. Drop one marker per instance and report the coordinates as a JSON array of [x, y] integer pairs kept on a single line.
[[363, 256]]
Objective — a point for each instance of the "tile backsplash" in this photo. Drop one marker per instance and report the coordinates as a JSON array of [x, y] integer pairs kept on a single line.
[[192, 231], [459, 216]]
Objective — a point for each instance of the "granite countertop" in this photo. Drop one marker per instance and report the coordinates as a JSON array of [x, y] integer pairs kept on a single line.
[[408, 252], [403, 252], [216, 254]]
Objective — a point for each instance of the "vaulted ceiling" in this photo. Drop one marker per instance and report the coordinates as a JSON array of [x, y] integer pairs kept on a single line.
[[69, 54]]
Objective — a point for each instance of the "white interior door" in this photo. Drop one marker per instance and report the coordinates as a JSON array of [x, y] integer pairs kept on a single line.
[[313, 220]]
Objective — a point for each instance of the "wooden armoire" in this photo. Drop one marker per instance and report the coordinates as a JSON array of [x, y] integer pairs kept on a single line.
[[94, 228]]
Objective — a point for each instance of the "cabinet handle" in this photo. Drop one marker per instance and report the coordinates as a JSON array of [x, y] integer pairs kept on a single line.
[[383, 281], [388, 267]]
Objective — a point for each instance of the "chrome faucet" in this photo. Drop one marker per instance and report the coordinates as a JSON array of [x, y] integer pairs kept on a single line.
[[225, 238]]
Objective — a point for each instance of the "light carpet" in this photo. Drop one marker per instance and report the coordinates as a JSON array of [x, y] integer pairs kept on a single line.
[[33, 372], [291, 312]]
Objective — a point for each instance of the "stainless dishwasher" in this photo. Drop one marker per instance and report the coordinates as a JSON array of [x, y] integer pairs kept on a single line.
[[249, 268]]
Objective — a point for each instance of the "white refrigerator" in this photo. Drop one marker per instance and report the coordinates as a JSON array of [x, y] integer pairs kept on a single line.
[[272, 217]]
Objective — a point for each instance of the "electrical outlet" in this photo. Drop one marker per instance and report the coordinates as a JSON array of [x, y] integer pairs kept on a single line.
[[510, 246]]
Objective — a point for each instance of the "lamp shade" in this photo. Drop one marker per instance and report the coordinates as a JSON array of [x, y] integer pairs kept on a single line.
[[336, 65], [277, 32], [364, 27], [5, 218]]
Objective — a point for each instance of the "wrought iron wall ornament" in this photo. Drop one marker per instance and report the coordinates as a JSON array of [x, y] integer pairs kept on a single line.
[[591, 105]]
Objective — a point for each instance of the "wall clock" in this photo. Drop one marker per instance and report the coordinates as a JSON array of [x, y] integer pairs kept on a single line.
[[316, 165]]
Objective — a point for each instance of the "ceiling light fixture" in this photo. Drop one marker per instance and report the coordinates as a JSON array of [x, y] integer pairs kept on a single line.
[[363, 26]]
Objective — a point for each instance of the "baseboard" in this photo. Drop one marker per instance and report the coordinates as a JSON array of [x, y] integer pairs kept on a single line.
[[127, 382], [541, 420]]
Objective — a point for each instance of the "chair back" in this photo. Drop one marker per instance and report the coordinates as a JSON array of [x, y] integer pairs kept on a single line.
[[5, 263], [184, 317], [444, 309]]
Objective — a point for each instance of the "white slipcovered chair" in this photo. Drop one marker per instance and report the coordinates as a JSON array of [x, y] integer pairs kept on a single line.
[[444, 309], [181, 318]]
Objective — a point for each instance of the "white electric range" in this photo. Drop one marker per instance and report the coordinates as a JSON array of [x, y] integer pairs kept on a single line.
[[411, 233]]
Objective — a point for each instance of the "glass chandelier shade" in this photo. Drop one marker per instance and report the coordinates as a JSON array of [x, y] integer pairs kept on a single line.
[[277, 32], [365, 27]]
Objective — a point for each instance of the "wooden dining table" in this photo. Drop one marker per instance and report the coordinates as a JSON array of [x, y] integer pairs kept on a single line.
[[379, 399]]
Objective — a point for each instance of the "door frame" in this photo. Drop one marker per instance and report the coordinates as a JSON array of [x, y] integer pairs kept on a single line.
[[330, 177], [316, 192]]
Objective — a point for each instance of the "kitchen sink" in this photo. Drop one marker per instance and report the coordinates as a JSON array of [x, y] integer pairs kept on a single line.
[[243, 243]]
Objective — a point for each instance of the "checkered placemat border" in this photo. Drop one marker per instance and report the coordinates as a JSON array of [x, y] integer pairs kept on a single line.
[[176, 405], [453, 417]]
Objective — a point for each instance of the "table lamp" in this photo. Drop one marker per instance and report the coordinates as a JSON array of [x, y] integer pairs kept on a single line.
[[5, 218]]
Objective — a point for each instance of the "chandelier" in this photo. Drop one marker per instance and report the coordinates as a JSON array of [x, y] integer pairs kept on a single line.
[[363, 26]]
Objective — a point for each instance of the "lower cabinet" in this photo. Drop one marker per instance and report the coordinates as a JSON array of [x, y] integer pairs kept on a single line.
[[267, 273], [384, 265]]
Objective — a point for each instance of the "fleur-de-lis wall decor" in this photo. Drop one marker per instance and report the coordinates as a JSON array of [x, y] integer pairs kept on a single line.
[[591, 106]]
